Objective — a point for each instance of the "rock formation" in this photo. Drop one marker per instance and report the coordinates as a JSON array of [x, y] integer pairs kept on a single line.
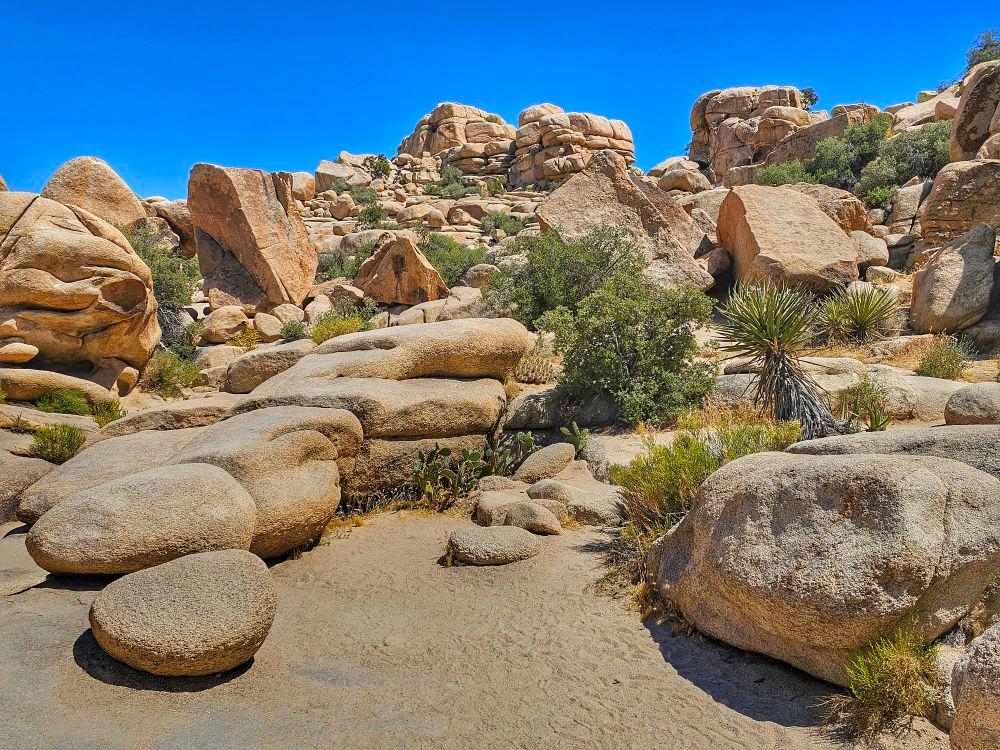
[[976, 118], [89, 183]]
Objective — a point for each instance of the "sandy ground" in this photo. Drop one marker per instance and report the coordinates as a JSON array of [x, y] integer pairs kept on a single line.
[[376, 646]]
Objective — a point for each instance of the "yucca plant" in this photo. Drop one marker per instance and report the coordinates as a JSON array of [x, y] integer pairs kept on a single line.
[[859, 315], [773, 326]]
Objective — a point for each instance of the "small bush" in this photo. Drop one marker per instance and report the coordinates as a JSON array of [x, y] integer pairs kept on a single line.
[[105, 412], [173, 277], [505, 222], [363, 196], [838, 161], [495, 185], [494, 119], [450, 185], [377, 166], [185, 345], [248, 339], [789, 173], [985, 48], [371, 217], [865, 406], [58, 443], [293, 330], [946, 359], [339, 264], [336, 322], [809, 98], [449, 257], [635, 344], [889, 682], [64, 401], [168, 374], [920, 153], [859, 316], [3, 396]]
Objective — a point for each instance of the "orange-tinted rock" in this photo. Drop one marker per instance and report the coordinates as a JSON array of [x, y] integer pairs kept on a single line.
[[398, 273], [92, 185]]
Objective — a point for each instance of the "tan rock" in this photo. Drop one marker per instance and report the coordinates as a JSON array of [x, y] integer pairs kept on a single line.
[[89, 183], [398, 273], [965, 193], [268, 327], [17, 352], [177, 215], [222, 324], [251, 369], [842, 206], [688, 180], [990, 148], [288, 312], [252, 244], [17, 473], [976, 110], [23, 384]]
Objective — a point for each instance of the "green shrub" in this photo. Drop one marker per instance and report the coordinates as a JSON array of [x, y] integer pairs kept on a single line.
[[173, 277], [495, 185], [105, 412], [377, 166], [3, 396], [509, 224], [363, 196], [341, 319], [450, 185], [371, 217], [984, 49], [449, 257], [64, 401], [919, 153], [946, 359], [789, 173], [838, 161], [293, 330], [559, 273], [494, 119], [58, 443], [168, 374], [633, 343], [248, 339], [865, 406], [185, 344], [889, 682], [809, 98], [859, 316], [339, 264]]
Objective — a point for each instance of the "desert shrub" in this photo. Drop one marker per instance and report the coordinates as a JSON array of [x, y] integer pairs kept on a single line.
[[659, 486], [339, 264], [945, 359], [536, 366], [363, 196], [865, 406], [371, 217], [341, 319], [789, 173], [293, 330], [859, 315], [449, 257], [248, 339], [377, 166], [105, 412], [774, 326], [920, 153], [560, 273], [58, 443], [509, 224], [340, 185], [888, 682], [495, 185], [168, 374], [64, 401], [3, 395], [450, 185], [838, 161], [173, 277], [186, 340], [985, 48], [809, 98], [494, 118], [634, 343]]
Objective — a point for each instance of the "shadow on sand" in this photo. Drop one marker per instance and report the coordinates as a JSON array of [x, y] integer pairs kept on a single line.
[[91, 659]]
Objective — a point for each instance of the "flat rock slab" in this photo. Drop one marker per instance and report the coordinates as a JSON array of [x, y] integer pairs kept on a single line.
[[18, 571]]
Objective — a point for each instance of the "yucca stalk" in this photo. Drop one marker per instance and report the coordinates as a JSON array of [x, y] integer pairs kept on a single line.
[[773, 326]]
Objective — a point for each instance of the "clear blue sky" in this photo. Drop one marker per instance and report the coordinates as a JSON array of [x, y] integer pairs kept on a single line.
[[154, 88]]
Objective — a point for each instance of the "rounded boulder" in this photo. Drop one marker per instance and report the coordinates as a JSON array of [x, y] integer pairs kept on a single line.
[[492, 545], [200, 614], [976, 403]]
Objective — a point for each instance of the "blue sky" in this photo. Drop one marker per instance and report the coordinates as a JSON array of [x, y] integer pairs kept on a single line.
[[154, 88]]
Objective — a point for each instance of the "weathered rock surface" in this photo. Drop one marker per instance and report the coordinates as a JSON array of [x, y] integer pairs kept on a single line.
[[545, 463], [976, 403], [398, 273], [142, 520], [252, 244], [975, 688], [384, 465], [251, 369], [842, 206], [533, 517], [492, 545], [976, 111], [25, 384], [17, 473], [223, 323], [965, 193], [783, 235], [199, 411], [198, 615], [71, 285], [953, 290], [89, 183], [807, 559], [607, 194], [177, 215]]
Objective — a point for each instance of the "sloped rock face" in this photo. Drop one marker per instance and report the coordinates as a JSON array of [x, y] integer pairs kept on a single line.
[[807, 559], [71, 285], [783, 235], [551, 144], [607, 194], [965, 193], [975, 689], [930, 110], [842, 206], [398, 273], [976, 119], [953, 290], [253, 247], [89, 183]]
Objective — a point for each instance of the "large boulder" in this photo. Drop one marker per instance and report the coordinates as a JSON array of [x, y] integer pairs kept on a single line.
[[953, 290], [142, 520], [17, 473], [906, 203], [177, 215], [198, 615], [808, 559], [606, 193], [89, 183], [72, 286], [398, 273], [783, 235], [976, 403], [174, 415], [383, 465], [290, 459], [965, 193], [253, 248], [976, 111], [975, 689], [842, 206], [251, 369]]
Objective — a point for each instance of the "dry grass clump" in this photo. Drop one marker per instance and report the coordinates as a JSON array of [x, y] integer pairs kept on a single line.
[[248, 339], [58, 443], [888, 683], [946, 358], [335, 323]]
